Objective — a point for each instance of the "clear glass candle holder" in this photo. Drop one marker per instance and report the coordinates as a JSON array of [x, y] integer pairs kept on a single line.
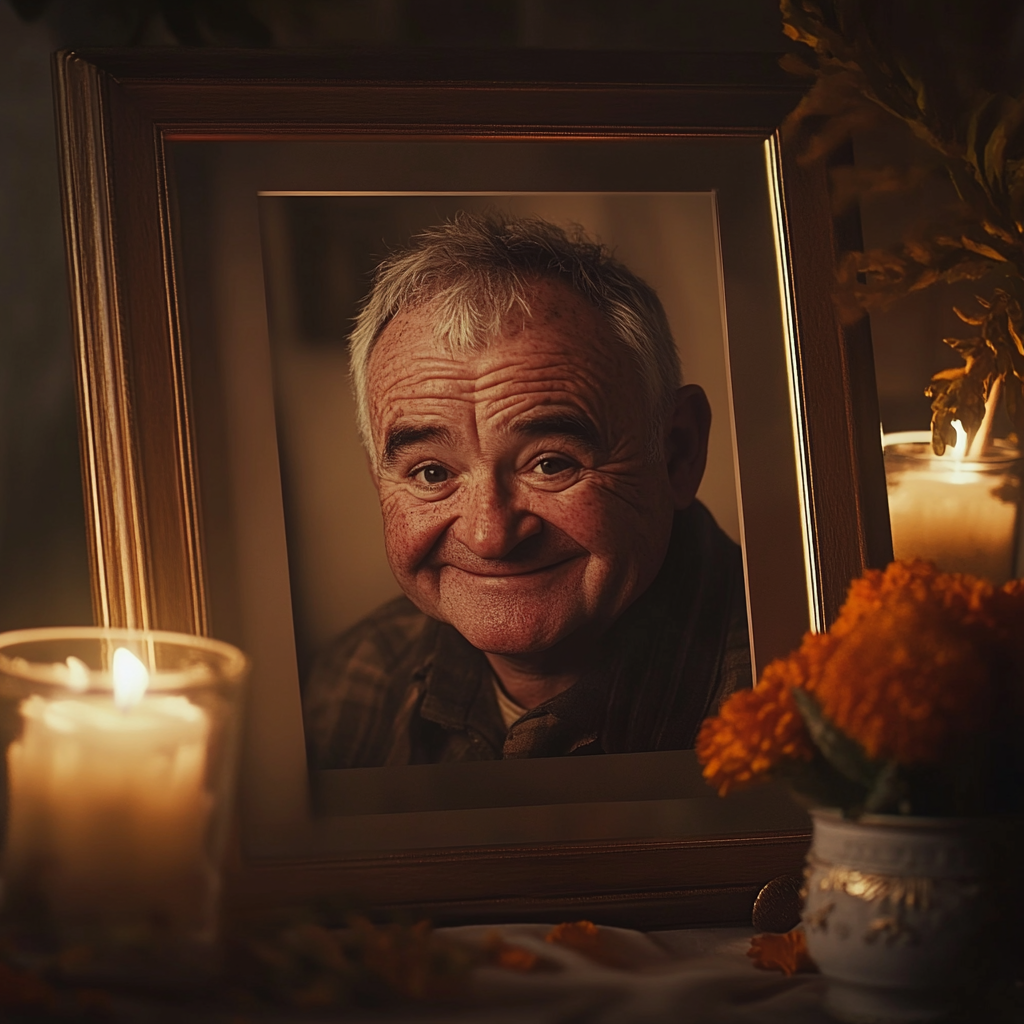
[[961, 513], [119, 760]]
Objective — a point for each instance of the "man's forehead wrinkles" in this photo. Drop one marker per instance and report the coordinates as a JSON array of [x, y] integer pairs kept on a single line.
[[532, 376], [497, 391], [506, 410], [558, 415], [425, 378], [567, 366]]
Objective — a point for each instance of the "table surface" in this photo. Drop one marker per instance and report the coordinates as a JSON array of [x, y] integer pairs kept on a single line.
[[691, 975]]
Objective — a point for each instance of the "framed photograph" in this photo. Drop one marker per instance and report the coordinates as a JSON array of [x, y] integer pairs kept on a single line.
[[224, 216]]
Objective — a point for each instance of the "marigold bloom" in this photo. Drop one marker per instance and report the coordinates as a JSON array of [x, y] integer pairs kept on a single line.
[[786, 952], [906, 682], [915, 663], [755, 730], [964, 598]]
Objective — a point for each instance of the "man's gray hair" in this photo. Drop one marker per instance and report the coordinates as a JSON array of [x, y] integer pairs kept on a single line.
[[476, 272]]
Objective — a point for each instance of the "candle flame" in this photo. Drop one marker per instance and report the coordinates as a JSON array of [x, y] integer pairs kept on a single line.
[[131, 678], [959, 450], [78, 674]]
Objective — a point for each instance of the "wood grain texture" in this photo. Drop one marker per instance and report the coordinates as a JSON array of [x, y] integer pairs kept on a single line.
[[635, 884], [109, 460]]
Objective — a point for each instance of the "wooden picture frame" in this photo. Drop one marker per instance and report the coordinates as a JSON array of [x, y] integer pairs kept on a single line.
[[124, 120]]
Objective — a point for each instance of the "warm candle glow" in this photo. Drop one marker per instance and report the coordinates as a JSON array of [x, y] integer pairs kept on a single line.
[[131, 678], [116, 778], [959, 450], [956, 510]]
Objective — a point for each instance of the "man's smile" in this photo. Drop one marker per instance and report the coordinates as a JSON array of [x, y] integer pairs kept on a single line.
[[497, 573]]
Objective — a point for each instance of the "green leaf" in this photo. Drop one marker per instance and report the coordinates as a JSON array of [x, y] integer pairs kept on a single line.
[[844, 754], [817, 784]]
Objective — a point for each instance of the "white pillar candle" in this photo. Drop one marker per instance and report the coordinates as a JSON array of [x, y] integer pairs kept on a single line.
[[959, 513], [109, 808]]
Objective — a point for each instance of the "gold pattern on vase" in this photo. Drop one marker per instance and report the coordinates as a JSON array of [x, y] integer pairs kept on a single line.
[[896, 896]]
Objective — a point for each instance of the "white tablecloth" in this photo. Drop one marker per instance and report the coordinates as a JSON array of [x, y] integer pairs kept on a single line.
[[693, 976]]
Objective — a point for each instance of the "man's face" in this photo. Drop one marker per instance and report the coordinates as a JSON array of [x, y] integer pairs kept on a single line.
[[519, 501]]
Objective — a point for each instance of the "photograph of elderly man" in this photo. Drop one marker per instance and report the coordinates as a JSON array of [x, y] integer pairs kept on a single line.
[[537, 462]]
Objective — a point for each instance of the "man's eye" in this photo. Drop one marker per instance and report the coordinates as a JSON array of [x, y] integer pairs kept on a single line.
[[431, 474], [552, 465]]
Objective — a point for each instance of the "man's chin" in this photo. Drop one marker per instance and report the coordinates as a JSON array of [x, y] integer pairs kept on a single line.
[[513, 636], [511, 646]]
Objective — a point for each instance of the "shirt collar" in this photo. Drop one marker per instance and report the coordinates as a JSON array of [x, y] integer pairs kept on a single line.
[[461, 696]]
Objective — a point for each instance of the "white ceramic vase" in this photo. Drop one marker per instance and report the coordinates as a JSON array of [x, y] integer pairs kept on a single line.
[[896, 912]]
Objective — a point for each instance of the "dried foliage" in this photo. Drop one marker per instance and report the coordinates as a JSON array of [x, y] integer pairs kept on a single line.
[[307, 959], [510, 957], [588, 939], [299, 958], [304, 963], [911, 703], [945, 72]]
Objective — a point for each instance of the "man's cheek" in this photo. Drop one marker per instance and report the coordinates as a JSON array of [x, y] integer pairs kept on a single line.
[[411, 529], [593, 517]]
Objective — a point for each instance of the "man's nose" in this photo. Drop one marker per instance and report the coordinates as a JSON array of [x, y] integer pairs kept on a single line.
[[491, 522]]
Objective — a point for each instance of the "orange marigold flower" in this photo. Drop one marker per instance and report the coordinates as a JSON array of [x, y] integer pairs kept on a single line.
[[906, 683], [756, 729], [965, 598], [786, 952], [916, 663], [910, 673]]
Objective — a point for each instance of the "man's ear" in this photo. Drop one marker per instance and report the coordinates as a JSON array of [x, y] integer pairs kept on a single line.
[[686, 443]]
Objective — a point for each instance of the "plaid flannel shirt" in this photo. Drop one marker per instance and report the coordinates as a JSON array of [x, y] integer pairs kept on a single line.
[[402, 688]]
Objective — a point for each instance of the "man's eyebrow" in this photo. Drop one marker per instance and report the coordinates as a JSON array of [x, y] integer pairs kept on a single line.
[[400, 439], [561, 424]]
